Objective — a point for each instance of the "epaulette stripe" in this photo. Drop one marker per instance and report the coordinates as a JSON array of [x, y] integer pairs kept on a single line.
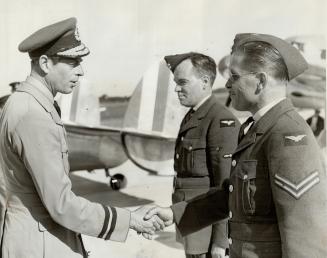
[[113, 223], [105, 223]]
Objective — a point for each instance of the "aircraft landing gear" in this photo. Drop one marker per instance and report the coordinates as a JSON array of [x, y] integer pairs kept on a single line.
[[117, 181]]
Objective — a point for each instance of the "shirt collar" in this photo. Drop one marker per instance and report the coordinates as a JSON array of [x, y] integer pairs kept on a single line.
[[261, 112], [41, 87], [201, 102]]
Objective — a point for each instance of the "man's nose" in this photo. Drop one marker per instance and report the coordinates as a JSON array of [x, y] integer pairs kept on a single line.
[[177, 88], [79, 70], [228, 84]]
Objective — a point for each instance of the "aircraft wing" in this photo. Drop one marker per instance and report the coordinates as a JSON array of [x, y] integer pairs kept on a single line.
[[94, 147]]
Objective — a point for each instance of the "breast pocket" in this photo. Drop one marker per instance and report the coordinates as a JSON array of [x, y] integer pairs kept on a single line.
[[247, 179], [255, 194], [194, 157]]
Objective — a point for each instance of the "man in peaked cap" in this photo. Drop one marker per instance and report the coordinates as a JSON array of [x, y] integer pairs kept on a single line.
[[278, 188], [204, 146], [40, 215]]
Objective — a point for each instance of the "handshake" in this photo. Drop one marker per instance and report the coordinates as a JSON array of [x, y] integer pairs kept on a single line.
[[149, 219]]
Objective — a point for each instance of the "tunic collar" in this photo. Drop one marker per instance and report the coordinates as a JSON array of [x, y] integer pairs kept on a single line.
[[41, 94], [41, 87], [261, 112], [201, 102]]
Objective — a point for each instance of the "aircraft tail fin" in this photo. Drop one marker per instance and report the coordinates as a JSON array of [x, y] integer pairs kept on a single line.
[[154, 107], [152, 121]]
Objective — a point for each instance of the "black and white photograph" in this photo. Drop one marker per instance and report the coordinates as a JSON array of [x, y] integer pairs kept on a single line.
[[155, 129]]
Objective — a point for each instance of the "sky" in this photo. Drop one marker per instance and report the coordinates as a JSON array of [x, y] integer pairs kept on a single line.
[[126, 36]]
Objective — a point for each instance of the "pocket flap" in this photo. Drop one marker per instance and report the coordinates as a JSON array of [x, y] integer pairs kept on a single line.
[[248, 170], [193, 144]]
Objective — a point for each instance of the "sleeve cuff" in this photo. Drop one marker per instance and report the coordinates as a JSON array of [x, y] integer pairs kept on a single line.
[[116, 224], [219, 234]]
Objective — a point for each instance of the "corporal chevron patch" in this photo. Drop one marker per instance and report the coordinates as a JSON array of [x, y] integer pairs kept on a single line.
[[297, 190], [227, 123]]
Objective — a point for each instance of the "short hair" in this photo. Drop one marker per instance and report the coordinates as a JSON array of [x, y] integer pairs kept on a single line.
[[262, 55], [35, 60], [204, 65]]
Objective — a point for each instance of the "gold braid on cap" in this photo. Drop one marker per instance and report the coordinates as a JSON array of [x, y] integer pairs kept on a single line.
[[80, 50]]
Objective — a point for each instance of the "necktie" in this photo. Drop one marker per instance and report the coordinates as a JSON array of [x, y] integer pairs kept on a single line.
[[243, 126], [56, 106], [188, 115]]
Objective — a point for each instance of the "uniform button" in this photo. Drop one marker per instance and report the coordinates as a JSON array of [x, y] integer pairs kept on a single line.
[[234, 163], [231, 188], [182, 139], [230, 214], [230, 241], [190, 148], [245, 177], [177, 156]]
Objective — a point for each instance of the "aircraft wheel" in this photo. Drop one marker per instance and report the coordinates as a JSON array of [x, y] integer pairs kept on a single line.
[[118, 181]]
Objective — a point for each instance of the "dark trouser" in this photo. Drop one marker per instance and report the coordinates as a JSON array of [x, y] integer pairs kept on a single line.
[[206, 255]]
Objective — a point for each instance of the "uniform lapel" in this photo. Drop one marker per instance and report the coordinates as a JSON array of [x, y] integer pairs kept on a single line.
[[198, 115], [264, 124]]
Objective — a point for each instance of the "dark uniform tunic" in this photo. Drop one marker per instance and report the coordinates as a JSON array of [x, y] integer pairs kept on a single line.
[[203, 151], [277, 192]]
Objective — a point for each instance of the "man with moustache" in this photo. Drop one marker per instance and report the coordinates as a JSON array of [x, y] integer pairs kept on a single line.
[[204, 146]]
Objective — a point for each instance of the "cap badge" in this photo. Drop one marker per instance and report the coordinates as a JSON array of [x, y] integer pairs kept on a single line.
[[76, 34]]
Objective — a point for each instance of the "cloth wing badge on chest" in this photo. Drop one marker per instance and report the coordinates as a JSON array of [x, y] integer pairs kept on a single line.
[[295, 140], [227, 123]]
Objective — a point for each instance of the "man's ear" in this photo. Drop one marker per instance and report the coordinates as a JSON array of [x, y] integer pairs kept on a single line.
[[205, 81], [262, 81], [44, 63]]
